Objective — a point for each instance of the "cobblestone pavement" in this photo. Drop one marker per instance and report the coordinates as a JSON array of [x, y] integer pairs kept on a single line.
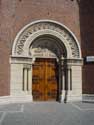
[[47, 113]]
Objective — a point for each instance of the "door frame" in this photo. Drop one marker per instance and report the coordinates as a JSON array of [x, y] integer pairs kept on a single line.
[[59, 83]]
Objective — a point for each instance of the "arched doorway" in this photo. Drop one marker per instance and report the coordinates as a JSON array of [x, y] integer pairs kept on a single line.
[[47, 51], [46, 63]]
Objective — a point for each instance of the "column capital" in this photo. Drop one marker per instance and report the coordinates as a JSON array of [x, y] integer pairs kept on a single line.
[[27, 66], [71, 62]]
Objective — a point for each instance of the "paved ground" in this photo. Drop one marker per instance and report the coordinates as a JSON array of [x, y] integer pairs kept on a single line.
[[47, 113]]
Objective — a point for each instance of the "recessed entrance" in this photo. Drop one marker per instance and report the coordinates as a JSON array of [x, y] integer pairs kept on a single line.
[[37, 50], [45, 80]]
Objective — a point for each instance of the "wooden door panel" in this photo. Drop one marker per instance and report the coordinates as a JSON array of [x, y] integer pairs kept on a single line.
[[38, 80], [51, 93], [44, 80]]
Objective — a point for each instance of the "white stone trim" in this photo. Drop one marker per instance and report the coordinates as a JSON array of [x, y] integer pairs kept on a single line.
[[28, 98], [51, 21], [88, 97], [15, 99]]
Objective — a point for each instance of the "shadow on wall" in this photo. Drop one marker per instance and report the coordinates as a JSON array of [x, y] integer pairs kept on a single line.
[[86, 12], [87, 26]]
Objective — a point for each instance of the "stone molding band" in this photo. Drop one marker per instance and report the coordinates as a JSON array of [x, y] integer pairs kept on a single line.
[[52, 28]]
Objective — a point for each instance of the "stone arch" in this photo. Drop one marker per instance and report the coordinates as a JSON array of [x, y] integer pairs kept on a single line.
[[22, 59], [41, 27], [49, 33]]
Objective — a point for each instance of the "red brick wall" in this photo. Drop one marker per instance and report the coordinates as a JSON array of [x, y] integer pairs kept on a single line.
[[87, 42], [88, 79], [15, 14]]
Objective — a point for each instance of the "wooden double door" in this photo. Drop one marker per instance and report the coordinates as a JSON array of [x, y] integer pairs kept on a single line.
[[45, 80]]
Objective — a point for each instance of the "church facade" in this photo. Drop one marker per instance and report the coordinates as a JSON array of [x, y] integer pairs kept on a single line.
[[43, 52]]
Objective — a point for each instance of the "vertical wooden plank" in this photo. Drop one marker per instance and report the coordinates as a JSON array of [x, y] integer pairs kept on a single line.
[[51, 80]]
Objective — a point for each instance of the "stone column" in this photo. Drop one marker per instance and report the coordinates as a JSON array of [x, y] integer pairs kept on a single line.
[[68, 78], [30, 81], [63, 81], [63, 85], [25, 79]]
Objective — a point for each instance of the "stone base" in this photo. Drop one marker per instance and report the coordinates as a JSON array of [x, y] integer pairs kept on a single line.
[[70, 98], [88, 97], [15, 99], [28, 98]]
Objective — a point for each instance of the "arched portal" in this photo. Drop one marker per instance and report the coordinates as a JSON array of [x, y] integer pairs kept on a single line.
[[47, 51], [46, 47]]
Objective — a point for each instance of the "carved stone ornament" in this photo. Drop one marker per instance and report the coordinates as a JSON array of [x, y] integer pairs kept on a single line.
[[38, 26], [47, 46], [38, 52]]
